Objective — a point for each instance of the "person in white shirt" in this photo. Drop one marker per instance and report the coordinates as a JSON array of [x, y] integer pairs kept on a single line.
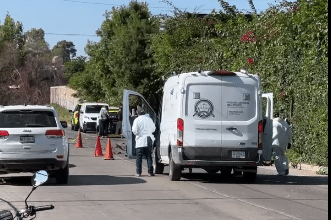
[[281, 141], [143, 127]]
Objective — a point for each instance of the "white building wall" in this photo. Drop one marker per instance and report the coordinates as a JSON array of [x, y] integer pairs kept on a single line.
[[62, 95]]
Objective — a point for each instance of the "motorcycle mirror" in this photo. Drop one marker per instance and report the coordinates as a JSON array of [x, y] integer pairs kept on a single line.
[[39, 178]]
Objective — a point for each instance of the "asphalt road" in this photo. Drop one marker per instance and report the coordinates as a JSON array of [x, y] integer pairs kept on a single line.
[[108, 189]]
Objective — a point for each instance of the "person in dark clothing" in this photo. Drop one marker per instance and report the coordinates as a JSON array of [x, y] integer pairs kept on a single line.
[[119, 123], [104, 121]]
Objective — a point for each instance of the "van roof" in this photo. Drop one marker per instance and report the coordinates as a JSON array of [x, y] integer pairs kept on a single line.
[[182, 76], [94, 103]]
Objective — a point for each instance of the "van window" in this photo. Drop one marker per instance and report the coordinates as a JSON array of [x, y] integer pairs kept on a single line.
[[134, 102]]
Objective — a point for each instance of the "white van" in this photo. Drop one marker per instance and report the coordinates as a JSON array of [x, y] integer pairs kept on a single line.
[[211, 120], [88, 115]]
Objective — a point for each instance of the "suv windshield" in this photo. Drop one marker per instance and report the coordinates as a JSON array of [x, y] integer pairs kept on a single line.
[[93, 108], [27, 118]]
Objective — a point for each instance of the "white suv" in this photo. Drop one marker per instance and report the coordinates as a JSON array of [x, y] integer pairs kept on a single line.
[[32, 138]]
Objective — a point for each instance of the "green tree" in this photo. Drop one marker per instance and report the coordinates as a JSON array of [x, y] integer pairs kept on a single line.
[[11, 58], [11, 31], [35, 43], [123, 58], [64, 49], [74, 66]]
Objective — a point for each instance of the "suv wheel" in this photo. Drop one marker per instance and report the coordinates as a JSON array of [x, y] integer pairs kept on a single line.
[[62, 175]]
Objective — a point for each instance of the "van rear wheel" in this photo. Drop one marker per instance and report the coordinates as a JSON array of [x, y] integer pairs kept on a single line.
[[157, 167], [175, 171]]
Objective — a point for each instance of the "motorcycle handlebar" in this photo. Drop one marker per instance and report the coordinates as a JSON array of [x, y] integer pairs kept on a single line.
[[41, 208]]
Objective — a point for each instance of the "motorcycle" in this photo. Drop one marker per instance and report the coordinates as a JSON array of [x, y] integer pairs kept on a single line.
[[39, 178]]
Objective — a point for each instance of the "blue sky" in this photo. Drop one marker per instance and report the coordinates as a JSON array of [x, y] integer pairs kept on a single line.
[[60, 19]]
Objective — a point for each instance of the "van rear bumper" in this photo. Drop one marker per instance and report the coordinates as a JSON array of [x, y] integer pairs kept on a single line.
[[213, 156]]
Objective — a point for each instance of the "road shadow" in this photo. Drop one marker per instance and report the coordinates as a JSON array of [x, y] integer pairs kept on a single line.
[[84, 180], [260, 179], [76, 180]]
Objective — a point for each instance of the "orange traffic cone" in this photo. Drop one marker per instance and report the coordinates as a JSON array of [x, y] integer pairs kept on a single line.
[[98, 149], [79, 143], [109, 151]]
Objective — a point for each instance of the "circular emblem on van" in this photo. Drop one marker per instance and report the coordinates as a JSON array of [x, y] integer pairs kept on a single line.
[[203, 108]]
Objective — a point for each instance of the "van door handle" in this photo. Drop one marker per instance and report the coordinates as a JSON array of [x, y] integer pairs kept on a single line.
[[231, 128]]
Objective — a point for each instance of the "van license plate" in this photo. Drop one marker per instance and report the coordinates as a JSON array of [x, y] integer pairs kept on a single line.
[[238, 154], [27, 139]]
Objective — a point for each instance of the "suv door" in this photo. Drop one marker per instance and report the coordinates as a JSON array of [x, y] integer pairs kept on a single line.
[[131, 100], [267, 125]]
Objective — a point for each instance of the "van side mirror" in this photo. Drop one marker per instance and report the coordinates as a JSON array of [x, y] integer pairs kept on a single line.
[[70, 111]]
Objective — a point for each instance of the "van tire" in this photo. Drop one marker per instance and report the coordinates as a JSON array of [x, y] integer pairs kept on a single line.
[[157, 167], [249, 177], [175, 171]]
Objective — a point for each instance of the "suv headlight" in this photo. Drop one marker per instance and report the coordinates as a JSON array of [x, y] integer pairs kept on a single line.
[[86, 117]]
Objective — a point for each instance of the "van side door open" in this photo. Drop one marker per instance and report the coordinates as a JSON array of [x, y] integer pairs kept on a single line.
[[267, 128], [131, 100]]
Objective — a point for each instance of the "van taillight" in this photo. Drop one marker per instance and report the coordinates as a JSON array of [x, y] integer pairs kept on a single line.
[[4, 134], [260, 131], [54, 133], [180, 131]]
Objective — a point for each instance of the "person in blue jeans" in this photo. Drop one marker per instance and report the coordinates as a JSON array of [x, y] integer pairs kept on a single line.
[[143, 127]]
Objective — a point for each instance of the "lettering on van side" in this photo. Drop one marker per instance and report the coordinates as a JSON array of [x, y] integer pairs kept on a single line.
[[203, 108]]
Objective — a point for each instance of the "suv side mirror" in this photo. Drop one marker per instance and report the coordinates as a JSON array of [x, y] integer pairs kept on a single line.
[[64, 124], [70, 111]]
